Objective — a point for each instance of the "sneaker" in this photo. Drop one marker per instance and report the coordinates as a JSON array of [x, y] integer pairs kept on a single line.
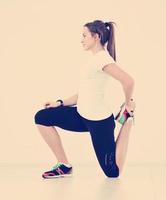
[[123, 115], [59, 170]]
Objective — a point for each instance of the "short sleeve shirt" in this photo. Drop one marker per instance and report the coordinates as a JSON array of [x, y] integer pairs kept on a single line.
[[91, 103]]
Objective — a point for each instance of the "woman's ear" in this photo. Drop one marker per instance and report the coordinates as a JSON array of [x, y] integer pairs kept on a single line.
[[97, 36]]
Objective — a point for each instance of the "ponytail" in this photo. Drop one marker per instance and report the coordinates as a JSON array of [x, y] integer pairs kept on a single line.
[[111, 40]]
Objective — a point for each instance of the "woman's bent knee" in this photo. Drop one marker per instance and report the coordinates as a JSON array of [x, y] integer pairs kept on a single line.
[[112, 173], [40, 118]]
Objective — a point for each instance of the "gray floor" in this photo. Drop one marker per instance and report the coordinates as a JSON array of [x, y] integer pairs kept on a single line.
[[138, 181]]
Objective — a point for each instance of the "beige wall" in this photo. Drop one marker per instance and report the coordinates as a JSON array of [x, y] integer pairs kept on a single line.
[[40, 54]]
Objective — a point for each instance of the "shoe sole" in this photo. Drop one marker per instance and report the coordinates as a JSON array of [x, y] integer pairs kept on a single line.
[[57, 176]]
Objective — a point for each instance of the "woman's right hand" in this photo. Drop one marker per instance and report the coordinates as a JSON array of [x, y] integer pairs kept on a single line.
[[50, 104], [131, 107]]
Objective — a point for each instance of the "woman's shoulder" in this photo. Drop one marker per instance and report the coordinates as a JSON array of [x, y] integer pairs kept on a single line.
[[105, 56]]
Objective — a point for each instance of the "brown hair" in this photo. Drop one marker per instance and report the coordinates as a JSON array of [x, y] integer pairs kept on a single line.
[[105, 34]]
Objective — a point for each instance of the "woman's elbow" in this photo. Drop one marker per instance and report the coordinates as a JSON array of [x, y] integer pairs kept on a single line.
[[132, 81]]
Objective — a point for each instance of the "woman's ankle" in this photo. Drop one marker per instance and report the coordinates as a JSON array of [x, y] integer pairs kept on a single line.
[[65, 163]]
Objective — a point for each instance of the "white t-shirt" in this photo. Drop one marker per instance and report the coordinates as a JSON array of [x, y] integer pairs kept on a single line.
[[91, 103]]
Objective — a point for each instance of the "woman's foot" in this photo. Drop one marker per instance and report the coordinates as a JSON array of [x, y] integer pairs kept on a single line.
[[125, 113], [59, 170]]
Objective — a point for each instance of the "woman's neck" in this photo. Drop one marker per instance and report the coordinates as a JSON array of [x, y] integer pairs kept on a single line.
[[96, 50]]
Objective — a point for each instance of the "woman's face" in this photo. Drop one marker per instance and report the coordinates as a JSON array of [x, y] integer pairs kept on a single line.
[[88, 41]]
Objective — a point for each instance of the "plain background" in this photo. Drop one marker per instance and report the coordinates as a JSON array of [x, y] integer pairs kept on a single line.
[[40, 55]]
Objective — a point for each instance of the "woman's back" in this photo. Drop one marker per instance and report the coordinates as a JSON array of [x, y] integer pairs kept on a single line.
[[93, 79]]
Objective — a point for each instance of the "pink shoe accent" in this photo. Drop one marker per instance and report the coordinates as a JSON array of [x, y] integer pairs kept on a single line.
[[125, 114], [50, 173], [60, 171]]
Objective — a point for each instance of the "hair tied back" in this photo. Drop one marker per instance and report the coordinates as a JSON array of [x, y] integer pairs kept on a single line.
[[106, 24]]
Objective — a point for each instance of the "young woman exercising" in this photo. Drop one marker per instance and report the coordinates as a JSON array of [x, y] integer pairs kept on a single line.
[[91, 113]]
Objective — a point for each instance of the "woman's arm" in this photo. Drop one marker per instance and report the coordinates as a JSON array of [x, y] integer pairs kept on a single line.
[[125, 79], [71, 100]]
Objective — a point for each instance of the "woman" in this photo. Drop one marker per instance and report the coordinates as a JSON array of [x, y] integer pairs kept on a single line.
[[92, 113]]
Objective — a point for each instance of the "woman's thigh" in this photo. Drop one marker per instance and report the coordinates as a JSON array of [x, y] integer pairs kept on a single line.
[[65, 117], [102, 135]]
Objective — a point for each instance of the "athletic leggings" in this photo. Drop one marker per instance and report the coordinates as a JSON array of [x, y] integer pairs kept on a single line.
[[101, 132]]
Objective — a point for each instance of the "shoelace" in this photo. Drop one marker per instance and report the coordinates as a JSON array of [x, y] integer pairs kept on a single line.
[[56, 166]]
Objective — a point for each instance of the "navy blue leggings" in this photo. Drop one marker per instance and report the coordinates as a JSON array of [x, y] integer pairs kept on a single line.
[[101, 131]]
